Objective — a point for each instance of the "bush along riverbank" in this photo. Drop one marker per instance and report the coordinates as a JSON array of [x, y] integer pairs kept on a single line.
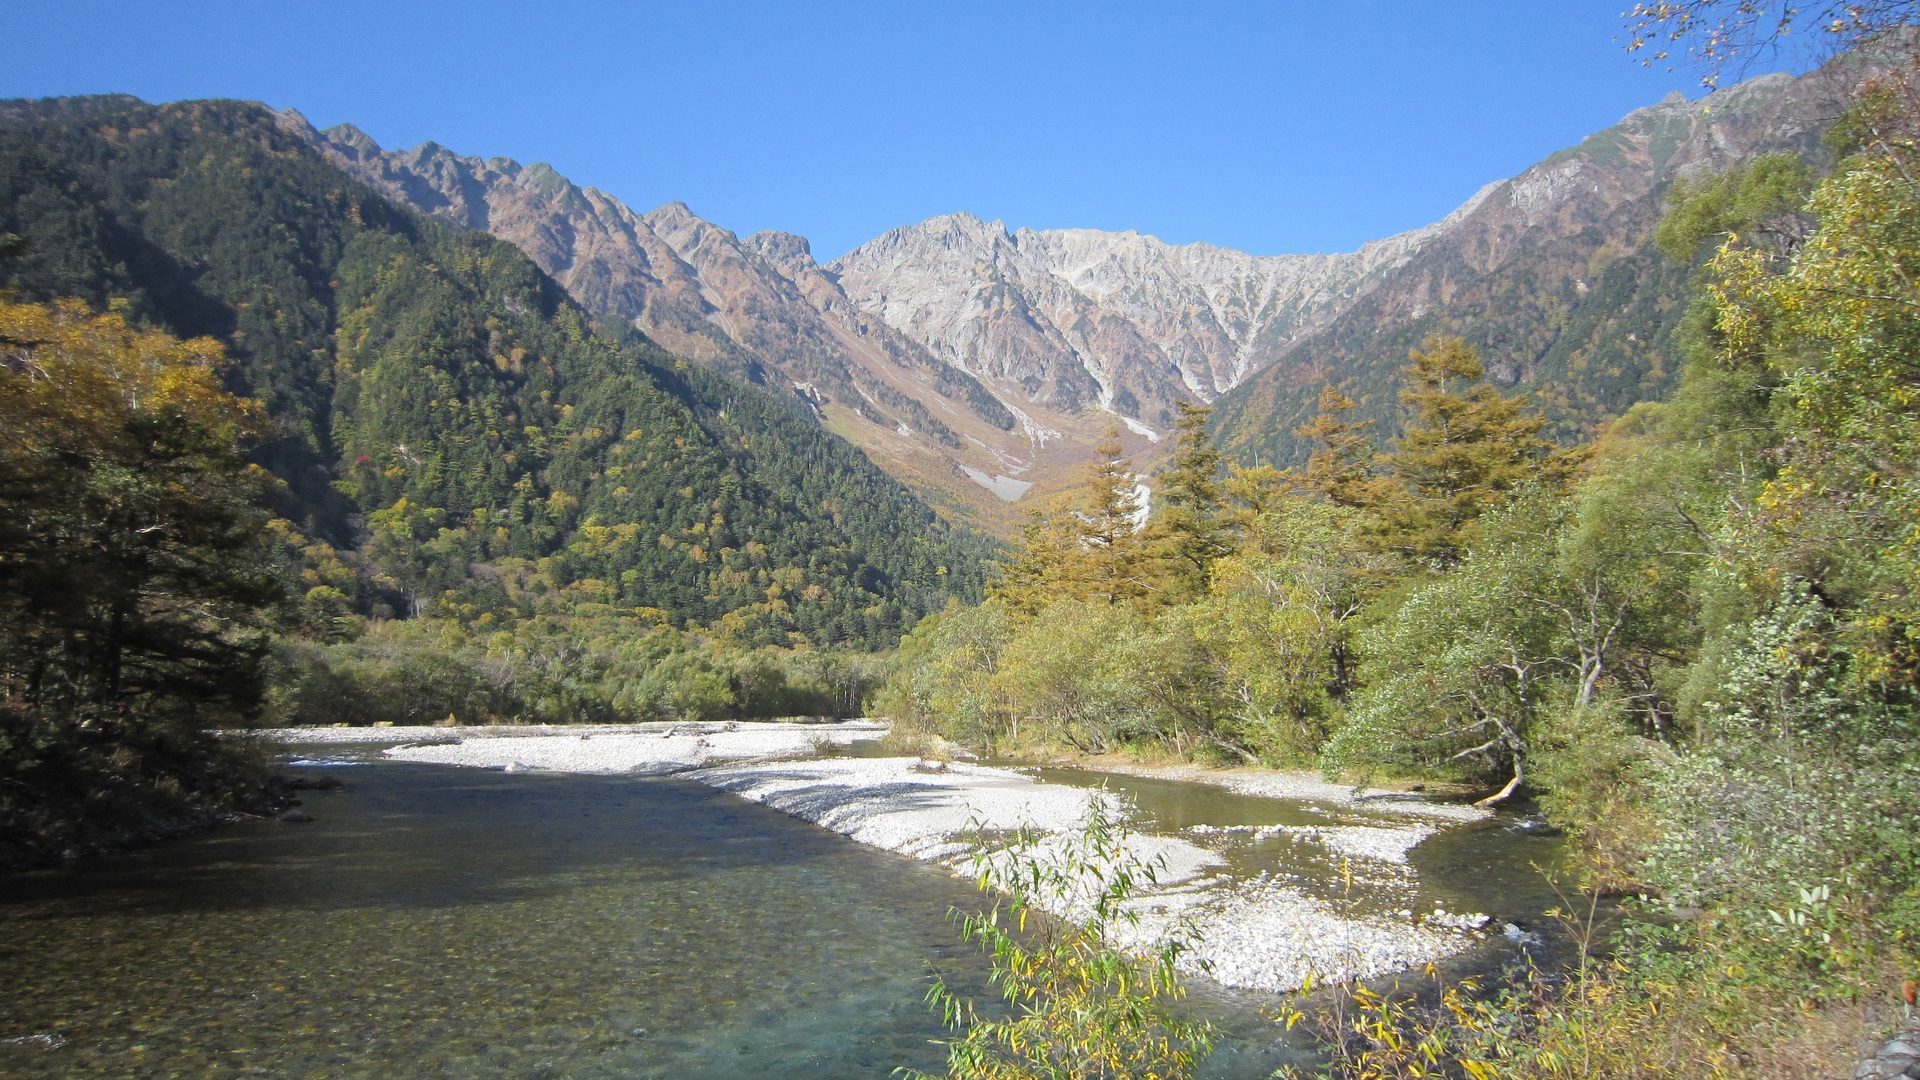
[[72, 797], [1691, 641]]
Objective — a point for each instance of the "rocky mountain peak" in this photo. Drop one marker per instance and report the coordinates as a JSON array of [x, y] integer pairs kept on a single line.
[[678, 219], [1119, 321], [349, 139], [791, 255]]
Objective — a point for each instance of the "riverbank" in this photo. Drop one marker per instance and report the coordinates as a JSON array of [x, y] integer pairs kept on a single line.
[[1260, 932], [1257, 933], [84, 803]]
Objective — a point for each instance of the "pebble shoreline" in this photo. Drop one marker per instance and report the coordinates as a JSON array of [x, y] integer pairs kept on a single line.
[[1256, 934]]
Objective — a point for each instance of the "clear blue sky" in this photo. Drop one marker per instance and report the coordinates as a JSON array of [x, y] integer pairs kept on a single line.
[[1268, 126]]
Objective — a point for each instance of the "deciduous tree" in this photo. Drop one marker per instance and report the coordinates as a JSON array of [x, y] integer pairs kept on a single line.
[[136, 574]]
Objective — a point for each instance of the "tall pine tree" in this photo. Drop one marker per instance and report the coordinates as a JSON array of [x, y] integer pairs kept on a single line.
[[1189, 533], [1464, 445]]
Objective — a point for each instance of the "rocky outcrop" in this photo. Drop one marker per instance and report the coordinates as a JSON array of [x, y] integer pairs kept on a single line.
[[1898, 1059]]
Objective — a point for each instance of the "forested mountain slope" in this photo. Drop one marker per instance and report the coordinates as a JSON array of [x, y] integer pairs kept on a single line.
[[758, 307], [1551, 275], [972, 361], [443, 405]]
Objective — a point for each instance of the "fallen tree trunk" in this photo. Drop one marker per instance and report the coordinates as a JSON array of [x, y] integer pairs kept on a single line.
[[1501, 795]]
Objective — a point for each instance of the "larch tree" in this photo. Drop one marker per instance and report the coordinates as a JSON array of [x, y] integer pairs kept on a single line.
[[1119, 563], [1341, 468], [1464, 446], [1045, 563], [1189, 532], [1088, 546]]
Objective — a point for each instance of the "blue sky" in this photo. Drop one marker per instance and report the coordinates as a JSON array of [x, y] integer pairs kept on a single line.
[[1271, 127]]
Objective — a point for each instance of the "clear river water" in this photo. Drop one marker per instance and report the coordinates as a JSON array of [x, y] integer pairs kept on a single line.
[[443, 922]]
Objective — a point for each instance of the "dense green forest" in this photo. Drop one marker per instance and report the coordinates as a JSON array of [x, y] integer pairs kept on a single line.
[[1692, 641]]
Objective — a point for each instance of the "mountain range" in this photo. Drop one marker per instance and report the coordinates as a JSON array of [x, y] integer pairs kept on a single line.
[[980, 363], [455, 435]]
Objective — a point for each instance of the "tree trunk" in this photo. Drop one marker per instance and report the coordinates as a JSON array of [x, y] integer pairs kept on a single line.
[[1250, 756], [1519, 773]]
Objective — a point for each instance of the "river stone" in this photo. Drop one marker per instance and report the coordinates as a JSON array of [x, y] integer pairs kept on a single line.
[[1898, 1057]]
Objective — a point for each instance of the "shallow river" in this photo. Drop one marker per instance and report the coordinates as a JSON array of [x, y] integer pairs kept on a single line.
[[1493, 867], [436, 921]]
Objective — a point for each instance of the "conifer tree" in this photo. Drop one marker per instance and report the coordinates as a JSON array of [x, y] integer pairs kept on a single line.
[[1342, 468], [1463, 447], [1046, 563], [1253, 492], [1189, 533], [1089, 546], [1118, 564]]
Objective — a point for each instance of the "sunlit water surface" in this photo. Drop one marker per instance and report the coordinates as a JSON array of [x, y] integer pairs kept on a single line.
[[469, 923]]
